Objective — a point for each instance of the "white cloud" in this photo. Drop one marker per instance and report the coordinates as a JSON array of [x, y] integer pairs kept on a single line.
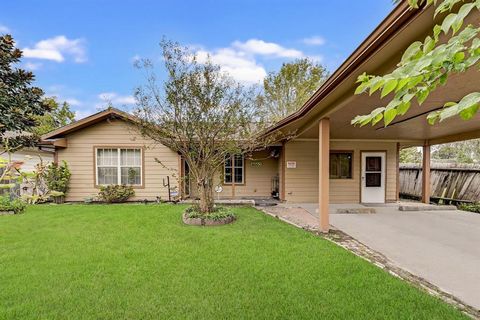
[[314, 41], [239, 60], [241, 67], [316, 58], [73, 102], [57, 48], [260, 47], [63, 93], [115, 99], [32, 66], [80, 114], [4, 29]]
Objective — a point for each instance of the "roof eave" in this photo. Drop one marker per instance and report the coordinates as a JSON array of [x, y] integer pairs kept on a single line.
[[85, 122]]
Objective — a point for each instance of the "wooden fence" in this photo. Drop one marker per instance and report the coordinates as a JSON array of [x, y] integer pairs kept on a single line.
[[451, 182]]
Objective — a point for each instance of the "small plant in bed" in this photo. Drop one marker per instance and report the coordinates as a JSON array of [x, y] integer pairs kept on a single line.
[[217, 216], [472, 207], [115, 193], [14, 206]]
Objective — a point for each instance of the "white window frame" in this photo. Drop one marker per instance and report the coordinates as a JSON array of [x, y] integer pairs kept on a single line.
[[119, 165], [232, 161]]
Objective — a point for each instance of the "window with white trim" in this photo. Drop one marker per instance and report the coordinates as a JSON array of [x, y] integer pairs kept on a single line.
[[119, 166], [234, 169]]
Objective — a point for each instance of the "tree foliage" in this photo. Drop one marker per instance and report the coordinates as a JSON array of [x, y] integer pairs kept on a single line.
[[199, 112], [59, 115], [410, 155], [427, 64], [288, 89], [20, 101], [457, 152]]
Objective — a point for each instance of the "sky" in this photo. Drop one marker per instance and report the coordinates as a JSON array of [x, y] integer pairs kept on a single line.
[[83, 51]]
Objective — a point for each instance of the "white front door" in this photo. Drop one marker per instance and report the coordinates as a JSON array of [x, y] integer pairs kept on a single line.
[[373, 177]]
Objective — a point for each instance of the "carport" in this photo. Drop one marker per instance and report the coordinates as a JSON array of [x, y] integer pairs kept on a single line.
[[326, 116]]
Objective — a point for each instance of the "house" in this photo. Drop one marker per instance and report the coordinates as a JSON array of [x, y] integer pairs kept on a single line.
[[328, 161], [105, 148]]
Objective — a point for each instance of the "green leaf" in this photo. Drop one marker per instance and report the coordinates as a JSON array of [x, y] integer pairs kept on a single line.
[[428, 45], [443, 79], [401, 84], [414, 81], [377, 119], [468, 113], [361, 88], [433, 117], [448, 21], [436, 32], [377, 84], [458, 57], [389, 115], [389, 86], [448, 112], [412, 50], [363, 78], [422, 95], [403, 107], [407, 97], [464, 11], [469, 100]]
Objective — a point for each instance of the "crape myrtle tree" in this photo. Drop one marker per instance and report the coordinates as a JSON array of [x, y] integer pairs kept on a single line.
[[199, 112], [20, 102], [427, 64]]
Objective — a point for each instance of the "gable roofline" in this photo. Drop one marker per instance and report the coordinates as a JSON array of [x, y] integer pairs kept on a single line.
[[110, 113], [400, 16]]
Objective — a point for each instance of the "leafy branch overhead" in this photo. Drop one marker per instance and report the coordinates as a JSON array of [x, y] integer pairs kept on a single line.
[[426, 65]]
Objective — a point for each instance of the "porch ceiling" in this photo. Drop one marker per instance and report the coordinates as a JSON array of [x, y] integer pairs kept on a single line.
[[412, 126]]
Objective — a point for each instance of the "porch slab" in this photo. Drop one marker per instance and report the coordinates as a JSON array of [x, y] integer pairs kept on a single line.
[[439, 246]]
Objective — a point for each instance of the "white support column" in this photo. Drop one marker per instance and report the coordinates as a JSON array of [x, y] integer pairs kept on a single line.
[[324, 173]]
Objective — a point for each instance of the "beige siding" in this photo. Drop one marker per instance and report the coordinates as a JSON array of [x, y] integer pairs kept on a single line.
[[258, 179], [80, 156], [301, 184]]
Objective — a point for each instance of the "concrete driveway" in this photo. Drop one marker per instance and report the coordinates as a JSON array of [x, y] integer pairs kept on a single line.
[[441, 246]]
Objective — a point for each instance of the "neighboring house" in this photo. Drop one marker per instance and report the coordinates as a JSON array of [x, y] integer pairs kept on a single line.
[[328, 161], [30, 158]]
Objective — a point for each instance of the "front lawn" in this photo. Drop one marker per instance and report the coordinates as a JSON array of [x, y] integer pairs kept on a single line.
[[141, 262]]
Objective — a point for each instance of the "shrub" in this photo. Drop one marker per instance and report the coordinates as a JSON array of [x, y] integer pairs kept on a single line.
[[58, 178], [116, 193], [16, 205], [472, 207], [218, 213]]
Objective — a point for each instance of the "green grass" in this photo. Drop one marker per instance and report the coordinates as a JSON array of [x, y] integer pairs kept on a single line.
[[141, 262]]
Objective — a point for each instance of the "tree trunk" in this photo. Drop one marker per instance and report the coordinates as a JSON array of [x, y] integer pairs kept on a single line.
[[205, 192]]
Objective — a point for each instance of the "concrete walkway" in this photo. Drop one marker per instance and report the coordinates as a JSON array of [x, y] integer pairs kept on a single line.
[[442, 247]]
